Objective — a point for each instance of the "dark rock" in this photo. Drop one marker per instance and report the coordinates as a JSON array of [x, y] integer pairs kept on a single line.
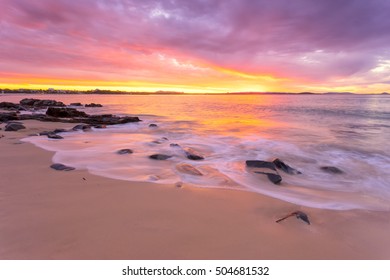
[[93, 105], [265, 167], [45, 133], [260, 164], [52, 135], [9, 106], [188, 169], [274, 178], [281, 165], [153, 125], [192, 154], [332, 169], [61, 167], [174, 145], [81, 127], [99, 126], [59, 130], [39, 103], [160, 156], [124, 151], [8, 116], [13, 126], [64, 112], [78, 104]]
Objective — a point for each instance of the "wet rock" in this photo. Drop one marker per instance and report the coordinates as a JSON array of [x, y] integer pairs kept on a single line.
[[174, 145], [93, 105], [39, 103], [14, 126], [153, 125], [124, 151], [281, 165], [52, 135], [154, 178], [61, 167], [179, 184], [59, 130], [64, 112], [76, 104], [192, 154], [188, 169], [159, 157], [9, 106], [83, 127], [332, 169], [8, 116], [100, 126], [160, 141], [261, 164], [265, 167]]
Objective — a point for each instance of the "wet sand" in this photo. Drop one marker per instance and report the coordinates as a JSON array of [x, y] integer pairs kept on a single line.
[[49, 214]]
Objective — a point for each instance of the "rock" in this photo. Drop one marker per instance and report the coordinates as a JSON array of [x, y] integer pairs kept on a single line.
[[8, 116], [260, 164], [14, 126], [332, 169], [153, 125], [9, 106], [99, 126], [174, 145], [160, 141], [76, 104], [38, 103], [265, 167], [178, 184], [154, 178], [281, 165], [59, 130], [188, 169], [160, 156], [64, 112], [124, 151], [192, 154], [61, 167], [93, 105], [81, 127], [52, 135]]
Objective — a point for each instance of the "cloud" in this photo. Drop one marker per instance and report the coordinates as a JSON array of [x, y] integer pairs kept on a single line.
[[307, 40]]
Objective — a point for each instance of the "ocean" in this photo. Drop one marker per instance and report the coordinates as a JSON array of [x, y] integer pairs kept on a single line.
[[307, 132]]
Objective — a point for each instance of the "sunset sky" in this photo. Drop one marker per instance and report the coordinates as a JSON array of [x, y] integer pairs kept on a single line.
[[196, 46]]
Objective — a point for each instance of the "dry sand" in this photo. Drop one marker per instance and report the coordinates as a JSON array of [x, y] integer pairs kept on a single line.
[[48, 214]]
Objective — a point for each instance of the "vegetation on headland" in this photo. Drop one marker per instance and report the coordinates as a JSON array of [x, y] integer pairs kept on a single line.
[[102, 91]]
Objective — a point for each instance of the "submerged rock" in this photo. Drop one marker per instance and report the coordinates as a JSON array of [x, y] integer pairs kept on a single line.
[[274, 178], [14, 126], [332, 169], [188, 169], [192, 154], [124, 151], [54, 136], [281, 165], [61, 167], [159, 157]]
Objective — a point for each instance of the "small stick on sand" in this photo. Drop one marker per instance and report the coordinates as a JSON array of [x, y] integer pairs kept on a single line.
[[298, 214]]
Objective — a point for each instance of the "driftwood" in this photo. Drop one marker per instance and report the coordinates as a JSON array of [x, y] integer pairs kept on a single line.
[[299, 215]]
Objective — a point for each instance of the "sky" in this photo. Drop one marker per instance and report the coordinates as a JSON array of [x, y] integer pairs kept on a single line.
[[196, 46]]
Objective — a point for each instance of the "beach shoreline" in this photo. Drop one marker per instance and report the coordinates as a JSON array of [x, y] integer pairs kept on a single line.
[[49, 214]]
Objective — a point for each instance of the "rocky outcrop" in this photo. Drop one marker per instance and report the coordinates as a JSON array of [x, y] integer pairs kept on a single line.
[[40, 103], [65, 112], [76, 104], [93, 105], [8, 116], [10, 106]]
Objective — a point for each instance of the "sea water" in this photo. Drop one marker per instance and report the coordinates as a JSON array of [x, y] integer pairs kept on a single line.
[[350, 132]]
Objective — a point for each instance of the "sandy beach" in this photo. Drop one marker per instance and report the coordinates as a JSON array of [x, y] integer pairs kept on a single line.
[[49, 214]]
